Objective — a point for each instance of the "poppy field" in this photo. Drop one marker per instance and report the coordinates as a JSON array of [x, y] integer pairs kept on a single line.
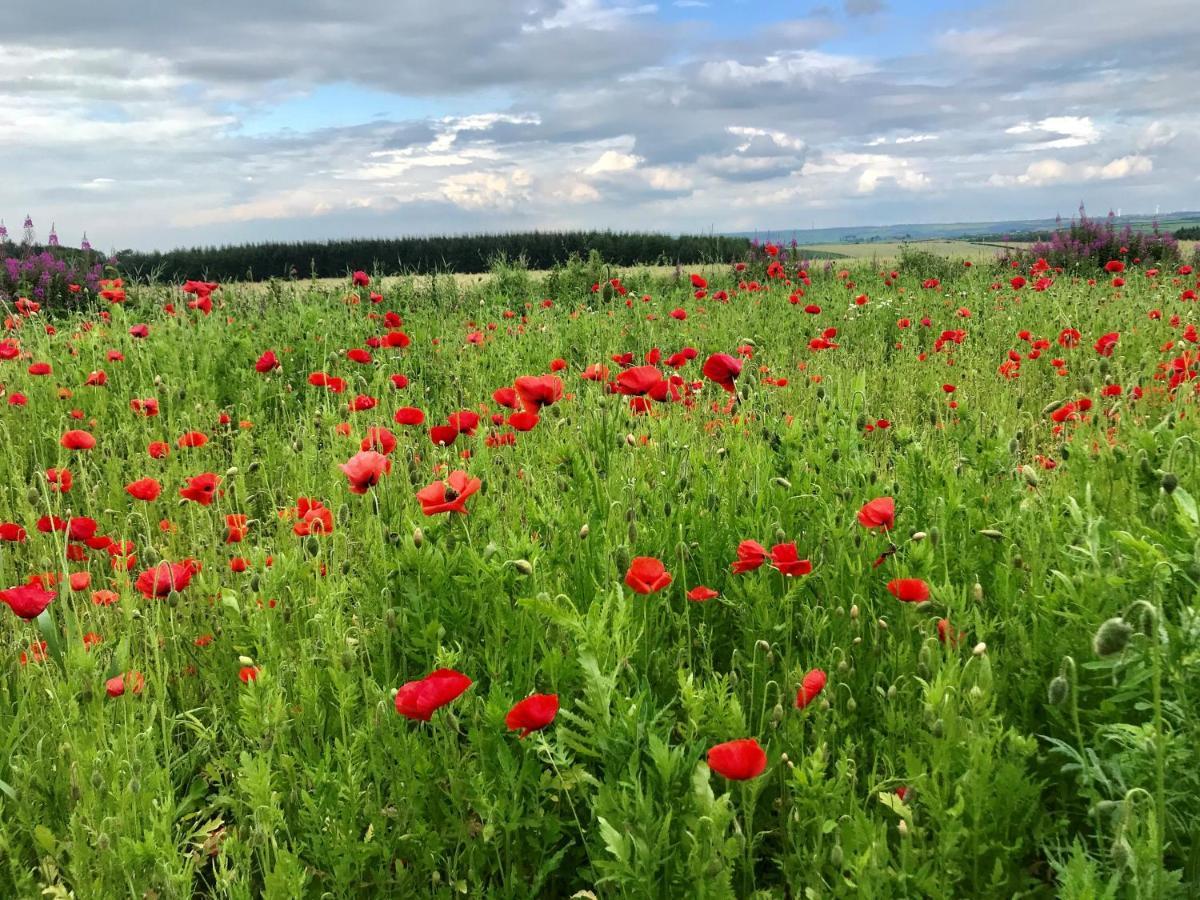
[[750, 580]]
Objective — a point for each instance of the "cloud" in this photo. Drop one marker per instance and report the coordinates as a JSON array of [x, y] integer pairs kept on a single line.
[[1055, 171]]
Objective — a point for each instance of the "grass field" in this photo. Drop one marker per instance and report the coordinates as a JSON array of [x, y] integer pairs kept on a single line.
[[820, 586]]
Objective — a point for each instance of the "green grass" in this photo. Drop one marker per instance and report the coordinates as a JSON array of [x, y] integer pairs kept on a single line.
[[307, 783]]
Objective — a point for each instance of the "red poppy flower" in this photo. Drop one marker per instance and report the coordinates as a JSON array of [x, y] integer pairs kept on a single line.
[[364, 469], [909, 590], [267, 362], [312, 518], [28, 601], [201, 489], [878, 513], [1106, 342], [813, 684], [464, 421], [158, 450], [358, 355], [507, 397], [523, 421], [379, 439], [144, 489], [116, 686], [160, 580], [449, 495], [539, 391], [248, 674], [787, 561], [738, 760], [419, 700], [647, 575], [443, 435], [723, 369], [750, 555], [12, 533], [192, 439], [409, 415], [360, 278], [532, 714], [78, 440], [638, 380], [1114, 265], [701, 594]]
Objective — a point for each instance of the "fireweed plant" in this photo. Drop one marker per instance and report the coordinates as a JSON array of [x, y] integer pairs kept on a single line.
[[758, 580]]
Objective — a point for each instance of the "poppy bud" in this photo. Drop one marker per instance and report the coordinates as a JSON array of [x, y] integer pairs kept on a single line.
[[32, 497], [418, 537], [158, 381], [297, 446], [524, 566], [836, 856], [762, 645], [1014, 446], [937, 728], [1121, 852], [632, 532], [1030, 476], [621, 558], [935, 535], [979, 649], [1170, 481], [1058, 691], [883, 625], [1103, 367], [977, 592], [843, 667], [854, 613], [777, 714], [97, 780], [851, 705], [584, 531], [1111, 637], [103, 842], [255, 582], [630, 440], [992, 534], [343, 515], [135, 785], [1086, 384], [346, 567], [918, 536], [254, 466], [902, 828], [231, 471], [246, 660], [347, 659]]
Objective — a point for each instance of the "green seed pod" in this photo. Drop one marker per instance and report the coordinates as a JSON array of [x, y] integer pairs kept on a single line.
[[1170, 481], [1111, 637], [1059, 691]]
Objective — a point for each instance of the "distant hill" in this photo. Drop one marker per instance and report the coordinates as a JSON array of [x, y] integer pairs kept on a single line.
[[867, 234]]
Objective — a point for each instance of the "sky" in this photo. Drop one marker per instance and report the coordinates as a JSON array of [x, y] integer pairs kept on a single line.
[[177, 124]]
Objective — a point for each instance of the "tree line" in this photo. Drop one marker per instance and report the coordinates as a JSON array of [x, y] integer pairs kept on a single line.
[[423, 255]]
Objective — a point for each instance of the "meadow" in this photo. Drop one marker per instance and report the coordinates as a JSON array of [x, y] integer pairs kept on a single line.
[[746, 581]]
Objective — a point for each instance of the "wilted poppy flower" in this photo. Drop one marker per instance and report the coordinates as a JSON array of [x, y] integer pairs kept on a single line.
[[723, 369], [28, 601], [379, 439], [750, 555], [160, 580], [449, 495], [647, 575], [787, 561], [701, 594], [910, 590], [420, 699], [364, 469], [532, 714], [813, 684], [201, 489], [878, 513], [144, 489], [738, 760], [78, 440]]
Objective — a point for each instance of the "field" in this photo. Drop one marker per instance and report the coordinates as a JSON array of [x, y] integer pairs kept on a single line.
[[859, 583]]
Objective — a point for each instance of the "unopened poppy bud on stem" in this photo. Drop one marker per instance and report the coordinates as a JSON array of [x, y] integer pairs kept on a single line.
[[246, 660], [1111, 637], [418, 537], [979, 649], [584, 531], [524, 566]]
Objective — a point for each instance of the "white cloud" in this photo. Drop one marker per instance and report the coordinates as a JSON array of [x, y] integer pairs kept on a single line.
[[612, 161], [1076, 131], [1054, 171]]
